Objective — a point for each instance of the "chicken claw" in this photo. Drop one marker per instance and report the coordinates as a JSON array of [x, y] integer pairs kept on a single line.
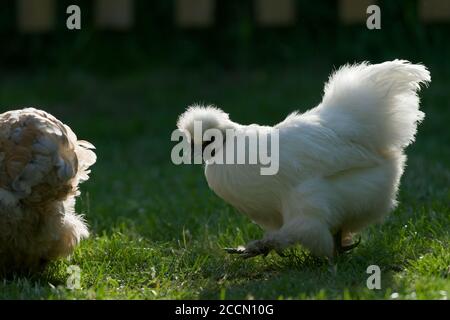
[[253, 249], [238, 250], [339, 248], [256, 248]]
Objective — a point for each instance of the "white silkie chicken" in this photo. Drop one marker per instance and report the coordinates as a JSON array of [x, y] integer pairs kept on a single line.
[[340, 163], [41, 165]]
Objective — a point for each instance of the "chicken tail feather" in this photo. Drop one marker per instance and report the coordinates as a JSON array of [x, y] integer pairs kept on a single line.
[[375, 105]]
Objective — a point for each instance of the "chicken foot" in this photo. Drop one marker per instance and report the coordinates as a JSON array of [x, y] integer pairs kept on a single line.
[[339, 248], [310, 233]]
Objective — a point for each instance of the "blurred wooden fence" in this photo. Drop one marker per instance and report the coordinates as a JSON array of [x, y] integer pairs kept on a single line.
[[40, 15]]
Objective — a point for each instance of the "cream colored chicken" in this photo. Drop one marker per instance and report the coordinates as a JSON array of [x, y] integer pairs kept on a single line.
[[340, 163], [41, 165]]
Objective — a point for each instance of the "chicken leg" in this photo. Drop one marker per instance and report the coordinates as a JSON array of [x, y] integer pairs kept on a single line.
[[312, 234]]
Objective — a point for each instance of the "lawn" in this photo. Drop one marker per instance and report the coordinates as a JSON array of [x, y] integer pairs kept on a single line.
[[157, 229]]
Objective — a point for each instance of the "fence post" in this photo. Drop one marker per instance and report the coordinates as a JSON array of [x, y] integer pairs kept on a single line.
[[434, 10], [354, 11], [275, 12], [114, 14], [194, 13], [35, 16]]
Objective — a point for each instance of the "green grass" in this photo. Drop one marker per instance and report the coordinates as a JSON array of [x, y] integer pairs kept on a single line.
[[157, 230]]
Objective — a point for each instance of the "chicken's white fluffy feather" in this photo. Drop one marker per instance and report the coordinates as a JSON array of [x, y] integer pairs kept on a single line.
[[41, 166], [340, 162]]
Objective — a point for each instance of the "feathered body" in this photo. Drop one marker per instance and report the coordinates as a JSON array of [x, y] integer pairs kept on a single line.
[[340, 163], [41, 166]]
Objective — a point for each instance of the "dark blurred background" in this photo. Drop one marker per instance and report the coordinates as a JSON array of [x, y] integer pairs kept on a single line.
[[119, 35], [257, 59]]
